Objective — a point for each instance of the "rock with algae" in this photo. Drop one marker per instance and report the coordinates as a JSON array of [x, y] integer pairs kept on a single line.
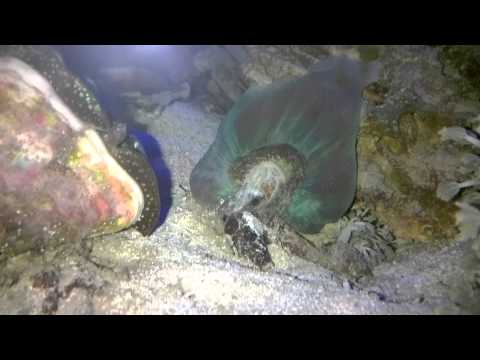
[[57, 177], [414, 148], [83, 104], [58, 181], [461, 63], [400, 168], [466, 291]]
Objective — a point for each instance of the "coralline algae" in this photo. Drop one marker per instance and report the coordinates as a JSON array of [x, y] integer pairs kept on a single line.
[[57, 178]]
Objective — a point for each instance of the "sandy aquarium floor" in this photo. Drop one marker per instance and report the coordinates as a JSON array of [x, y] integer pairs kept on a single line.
[[187, 267]]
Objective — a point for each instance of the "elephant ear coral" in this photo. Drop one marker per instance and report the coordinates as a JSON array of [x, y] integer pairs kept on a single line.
[[289, 149]]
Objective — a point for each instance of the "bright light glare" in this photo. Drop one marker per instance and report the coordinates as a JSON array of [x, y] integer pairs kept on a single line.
[[150, 48]]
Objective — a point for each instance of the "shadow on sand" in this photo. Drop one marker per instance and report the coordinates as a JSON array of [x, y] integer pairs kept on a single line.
[[162, 172]]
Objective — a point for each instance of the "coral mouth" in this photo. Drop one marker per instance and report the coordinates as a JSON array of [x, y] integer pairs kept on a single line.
[[260, 186], [266, 178]]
